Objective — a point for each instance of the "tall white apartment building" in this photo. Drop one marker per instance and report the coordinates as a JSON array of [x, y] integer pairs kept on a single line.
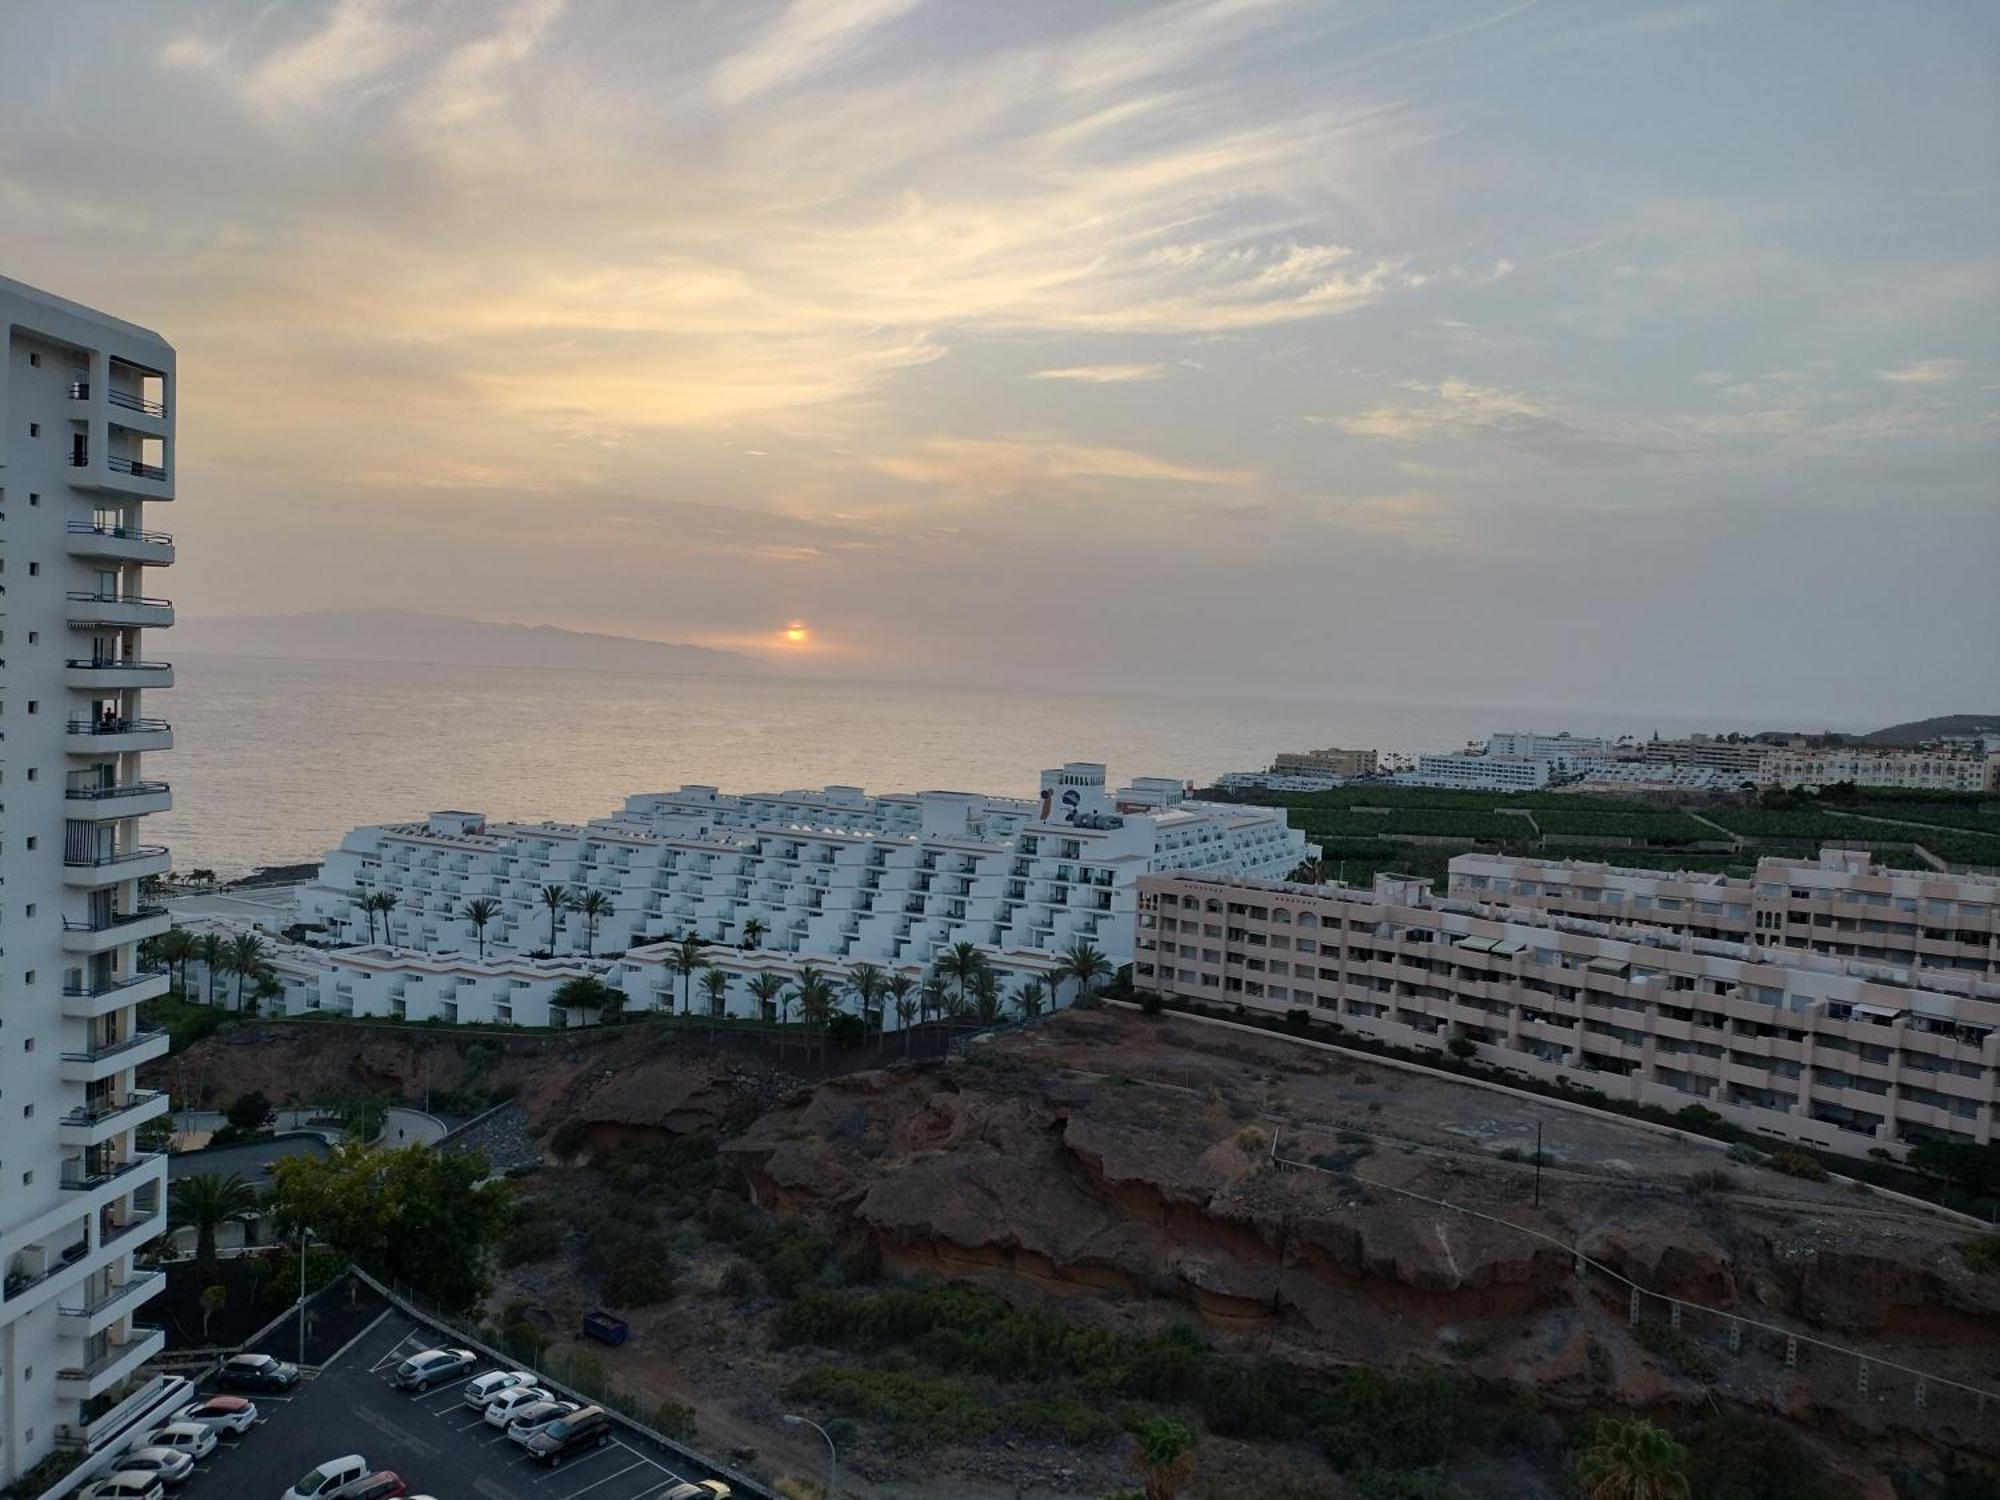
[[1475, 771], [1573, 748], [1917, 770], [1796, 1045], [86, 444], [834, 874]]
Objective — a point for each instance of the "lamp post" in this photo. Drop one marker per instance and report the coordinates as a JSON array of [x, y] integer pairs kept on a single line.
[[792, 1419], [305, 1235]]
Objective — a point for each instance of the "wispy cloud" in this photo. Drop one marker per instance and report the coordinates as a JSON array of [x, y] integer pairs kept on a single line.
[[1460, 410], [1923, 372], [810, 36], [1030, 462], [1103, 374]]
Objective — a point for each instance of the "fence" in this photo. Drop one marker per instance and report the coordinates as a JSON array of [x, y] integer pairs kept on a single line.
[[580, 1381]]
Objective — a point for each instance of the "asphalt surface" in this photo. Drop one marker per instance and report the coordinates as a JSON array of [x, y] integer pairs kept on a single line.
[[434, 1441]]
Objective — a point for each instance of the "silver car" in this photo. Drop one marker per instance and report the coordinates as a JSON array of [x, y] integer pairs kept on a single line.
[[171, 1464]]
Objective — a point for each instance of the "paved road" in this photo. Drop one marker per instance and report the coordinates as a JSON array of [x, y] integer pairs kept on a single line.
[[433, 1441], [411, 1127]]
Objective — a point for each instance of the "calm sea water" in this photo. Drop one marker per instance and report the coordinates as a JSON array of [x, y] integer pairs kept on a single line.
[[275, 760]]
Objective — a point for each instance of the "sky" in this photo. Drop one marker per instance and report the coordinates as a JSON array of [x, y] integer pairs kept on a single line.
[[1634, 355]]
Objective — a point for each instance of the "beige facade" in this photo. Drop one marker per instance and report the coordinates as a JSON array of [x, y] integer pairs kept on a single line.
[[1838, 904], [1915, 770], [1793, 1045], [1732, 757], [1331, 761]]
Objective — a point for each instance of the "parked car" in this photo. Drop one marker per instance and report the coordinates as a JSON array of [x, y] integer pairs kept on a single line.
[[589, 1428], [126, 1484], [502, 1408], [169, 1463], [328, 1479], [230, 1414], [420, 1371], [483, 1388], [707, 1489], [256, 1372], [383, 1484], [195, 1439], [530, 1420]]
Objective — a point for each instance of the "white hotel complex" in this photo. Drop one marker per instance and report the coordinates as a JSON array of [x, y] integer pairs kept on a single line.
[[772, 881], [1826, 1003], [86, 444]]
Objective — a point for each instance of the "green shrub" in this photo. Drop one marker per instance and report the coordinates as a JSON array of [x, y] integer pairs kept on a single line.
[[1675, 1347], [1797, 1164], [532, 1236], [639, 1279], [1735, 1456], [569, 1138], [1981, 1254]]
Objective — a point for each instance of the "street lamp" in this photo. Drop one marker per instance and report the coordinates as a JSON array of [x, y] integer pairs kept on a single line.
[[792, 1419]]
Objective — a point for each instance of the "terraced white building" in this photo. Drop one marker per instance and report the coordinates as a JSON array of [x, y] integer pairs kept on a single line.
[[86, 445], [832, 875]]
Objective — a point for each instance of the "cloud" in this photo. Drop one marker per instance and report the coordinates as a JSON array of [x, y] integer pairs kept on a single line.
[[1032, 462], [1104, 374], [1923, 372], [1459, 410], [356, 43], [810, 37]]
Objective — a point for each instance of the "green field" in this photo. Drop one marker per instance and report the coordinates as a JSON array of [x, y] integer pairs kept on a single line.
[[1651, 827]]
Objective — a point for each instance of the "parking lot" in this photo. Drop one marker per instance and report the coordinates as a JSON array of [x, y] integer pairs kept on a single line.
[[438, 1445]]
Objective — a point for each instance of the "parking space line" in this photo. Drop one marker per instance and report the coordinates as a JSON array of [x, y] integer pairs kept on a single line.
[[391, 1358], [607, 1478], [601, 1451], [355, 1340]]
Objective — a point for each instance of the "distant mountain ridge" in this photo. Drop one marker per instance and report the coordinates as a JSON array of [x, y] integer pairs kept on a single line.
[[1919, 730], [444, 640]]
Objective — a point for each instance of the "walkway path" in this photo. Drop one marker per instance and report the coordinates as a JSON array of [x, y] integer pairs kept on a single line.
[[411, 1127]]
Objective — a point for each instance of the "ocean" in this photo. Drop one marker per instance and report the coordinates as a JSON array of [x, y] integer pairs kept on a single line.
[[275, 760]]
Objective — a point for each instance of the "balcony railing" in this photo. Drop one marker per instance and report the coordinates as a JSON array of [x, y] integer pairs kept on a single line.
[[121, 533], [97, 1053], [125, 789], [110, 1355], [79, 1175], [136, 403], [104, 725], [134, 467], [142, 1285], [97, 1111], [113, 920], [86, 663], [108, 986], [84, 596]]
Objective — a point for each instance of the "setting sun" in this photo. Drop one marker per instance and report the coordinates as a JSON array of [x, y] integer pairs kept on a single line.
[[795, 634]]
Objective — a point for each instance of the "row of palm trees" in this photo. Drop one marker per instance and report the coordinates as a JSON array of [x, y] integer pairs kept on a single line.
[[242, 956]]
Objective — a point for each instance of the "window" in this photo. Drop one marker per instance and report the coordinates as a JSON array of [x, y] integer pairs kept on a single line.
[[34, 429], [34, 360], [34, 570]]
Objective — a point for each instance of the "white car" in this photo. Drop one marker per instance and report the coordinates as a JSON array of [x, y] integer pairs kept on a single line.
[[236, 1414], [170, 1465], [335, 1474], [126, 1484], [503, 1408], [531, 1419], [708, 1489], [192, 1438], [420, 1371], [483, 1388]]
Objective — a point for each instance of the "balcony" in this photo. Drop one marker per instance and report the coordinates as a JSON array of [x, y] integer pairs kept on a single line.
[[97, 1121], [132, 799], [101, 1061], [91, 676], [120, 543], [80, 1174], [129, 401], [110, 1364], [92, 872], [141, 1226], [91, 999], [102, 934], [86, 610], [109, 734], [135, 467], [93, 1313]]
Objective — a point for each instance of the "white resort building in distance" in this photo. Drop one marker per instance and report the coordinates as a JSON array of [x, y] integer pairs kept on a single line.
[[832, 878], [86, 444]]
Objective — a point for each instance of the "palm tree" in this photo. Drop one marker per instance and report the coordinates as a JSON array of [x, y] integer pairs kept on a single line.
[[986, 995], [364, 903], [1632, 1459], [1029, 999], [556, 899], [901, 991], [174, 948], [864, 983], [479, 911], [1082, 962], [816, 1001], [207, 1201], [213, 955], [587, 992], [782, 1000], [934, 997], [386, 902], [753, 929], [960, 963], [685, 961], [716, 983], [765, 988], [592, 906], [244, 958]]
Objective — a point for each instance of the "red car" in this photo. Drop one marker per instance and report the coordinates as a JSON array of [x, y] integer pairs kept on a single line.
[[383, 1484]]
